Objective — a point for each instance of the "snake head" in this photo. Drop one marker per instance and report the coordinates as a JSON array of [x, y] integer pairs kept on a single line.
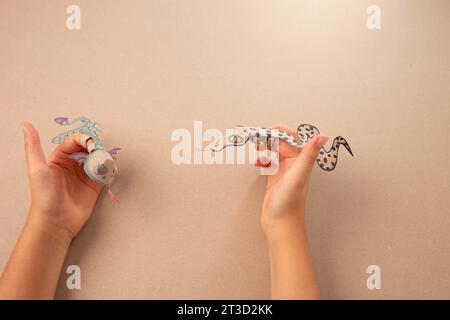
[[239, 137]]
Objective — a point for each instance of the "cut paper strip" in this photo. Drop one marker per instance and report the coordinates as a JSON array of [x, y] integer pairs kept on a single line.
[[326, 160]]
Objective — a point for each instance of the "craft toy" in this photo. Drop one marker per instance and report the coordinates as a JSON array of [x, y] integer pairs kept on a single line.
[[327, 160], [98, 163]]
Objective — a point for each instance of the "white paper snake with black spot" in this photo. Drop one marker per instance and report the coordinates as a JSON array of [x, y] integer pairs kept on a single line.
[[327, 159]]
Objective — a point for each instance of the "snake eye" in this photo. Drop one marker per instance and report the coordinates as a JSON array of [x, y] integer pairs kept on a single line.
[[235, 139], [101, 170]]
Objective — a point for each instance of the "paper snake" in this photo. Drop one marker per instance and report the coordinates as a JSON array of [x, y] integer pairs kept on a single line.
[[98, 163], [327, 159]]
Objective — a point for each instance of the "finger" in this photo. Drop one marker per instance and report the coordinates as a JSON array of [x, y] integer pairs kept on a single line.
[[284, 149], [261, 146], [263, 162], [71, 144], [33, 151], [303, 164], [264, 155]]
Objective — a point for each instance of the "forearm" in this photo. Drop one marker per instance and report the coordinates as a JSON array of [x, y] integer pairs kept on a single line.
[[291, 267], [34, 267]]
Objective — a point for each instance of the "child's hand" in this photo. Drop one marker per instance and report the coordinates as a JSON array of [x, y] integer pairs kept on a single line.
[[62, 195], [62, 199], [286, 191], [282, 220]]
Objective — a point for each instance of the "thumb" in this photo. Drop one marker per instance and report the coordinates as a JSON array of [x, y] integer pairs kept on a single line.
[[33, 151], [304, 163]]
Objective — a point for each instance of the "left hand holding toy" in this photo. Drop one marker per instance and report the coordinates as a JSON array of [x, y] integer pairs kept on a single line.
[[61, 193], [62, 199]]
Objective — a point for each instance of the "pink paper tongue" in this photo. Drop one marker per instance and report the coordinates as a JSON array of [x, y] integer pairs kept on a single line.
[[114, 199]]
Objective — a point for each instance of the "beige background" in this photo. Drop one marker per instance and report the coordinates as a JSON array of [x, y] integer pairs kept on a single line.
[[145, 68]]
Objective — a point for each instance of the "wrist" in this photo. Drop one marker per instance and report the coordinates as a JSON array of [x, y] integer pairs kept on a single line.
[[283, 228], [47, 229]]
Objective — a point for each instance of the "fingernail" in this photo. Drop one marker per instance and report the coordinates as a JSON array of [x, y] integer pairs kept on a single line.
[[320, 141], [263, 161]]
